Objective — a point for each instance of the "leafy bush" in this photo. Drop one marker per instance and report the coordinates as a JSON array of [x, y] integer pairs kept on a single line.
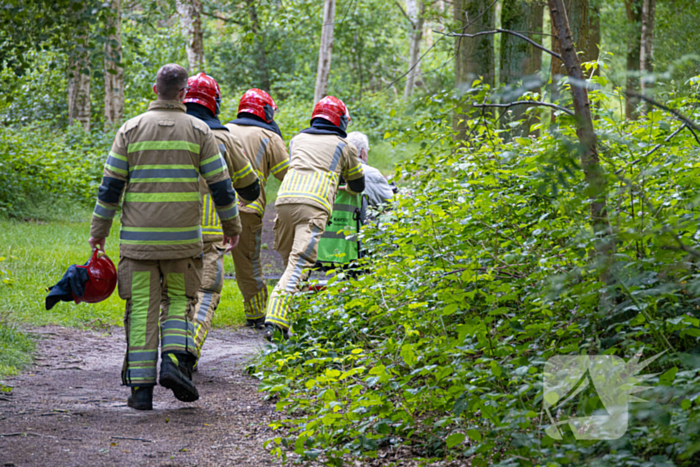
[[41, 167], [480, 273]]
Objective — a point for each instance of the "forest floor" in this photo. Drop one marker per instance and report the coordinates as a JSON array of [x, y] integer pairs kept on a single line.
[[69, 408]]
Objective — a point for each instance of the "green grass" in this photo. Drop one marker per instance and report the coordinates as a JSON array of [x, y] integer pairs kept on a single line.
[[15, 350], [37, 254], [383, 156]]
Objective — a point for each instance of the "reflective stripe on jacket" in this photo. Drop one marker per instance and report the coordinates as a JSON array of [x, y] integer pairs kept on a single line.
[[316, 163]]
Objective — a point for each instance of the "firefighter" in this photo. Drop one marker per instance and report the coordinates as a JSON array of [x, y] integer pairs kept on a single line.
[[264, 146], [155, 162], [204, 102], [318, 157]]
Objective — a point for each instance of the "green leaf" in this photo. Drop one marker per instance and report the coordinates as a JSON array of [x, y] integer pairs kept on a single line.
[[454, 439]]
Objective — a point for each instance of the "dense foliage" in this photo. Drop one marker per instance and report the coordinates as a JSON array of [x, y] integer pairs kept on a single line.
[[481, 272]]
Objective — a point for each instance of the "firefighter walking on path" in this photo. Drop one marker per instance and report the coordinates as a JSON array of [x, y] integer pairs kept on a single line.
[[262, 140], [319, 156], [155, 161], [204, 102]]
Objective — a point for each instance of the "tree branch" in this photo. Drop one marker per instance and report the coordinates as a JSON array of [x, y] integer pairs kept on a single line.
[[226, 20], [405, 14], [538, 103], [692, 125], [507, 31]]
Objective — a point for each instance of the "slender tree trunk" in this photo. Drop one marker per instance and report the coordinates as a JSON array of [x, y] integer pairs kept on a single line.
[[79, 105], [634, 49], [263, 71], [190, 12], [520, 62], [325, 51], [646, 55], [474, 57], [416, 13], [584, 25], [595, 179], [114, 73]]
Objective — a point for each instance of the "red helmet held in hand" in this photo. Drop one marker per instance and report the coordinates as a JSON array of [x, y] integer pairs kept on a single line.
[[258, 102], [103, 278], [334, 110], [204, 90]]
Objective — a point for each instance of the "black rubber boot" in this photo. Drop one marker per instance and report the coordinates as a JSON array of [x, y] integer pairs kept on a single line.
[[255, 323], [272, 329], [176, 374], [141, 398]]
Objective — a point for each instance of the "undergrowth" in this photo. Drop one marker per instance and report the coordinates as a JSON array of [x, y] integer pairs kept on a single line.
[[481, 272]]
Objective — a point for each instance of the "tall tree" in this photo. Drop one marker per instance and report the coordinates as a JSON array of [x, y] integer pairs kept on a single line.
[[415, 12], [79, 105], [190, 12], [325, 51], [646, 53], [114, 73], [262, 71], [474, 57], [596, 186], [633, 9], [520, 62]]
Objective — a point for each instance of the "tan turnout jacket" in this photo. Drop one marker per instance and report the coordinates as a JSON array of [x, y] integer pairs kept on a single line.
[[242, 175], [155, 162], [265, 150], [316, 163]]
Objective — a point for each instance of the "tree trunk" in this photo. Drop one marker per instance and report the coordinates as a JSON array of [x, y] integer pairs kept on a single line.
[[474, 57], [79, 108], [519, 60], [114, 73], [190, 12], [596, 189], [584, 25], [416, 13], [634, 49], [325, 51], [263, 72], [646, 55]]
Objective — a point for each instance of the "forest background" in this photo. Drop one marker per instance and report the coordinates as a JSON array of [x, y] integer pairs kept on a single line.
[[517, 235]]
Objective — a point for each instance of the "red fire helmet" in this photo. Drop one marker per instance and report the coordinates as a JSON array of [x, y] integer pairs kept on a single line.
[[334, 110], [258, 102], [204, 90], [103, 278]]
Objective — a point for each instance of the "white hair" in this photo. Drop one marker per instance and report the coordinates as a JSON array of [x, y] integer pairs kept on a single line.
[[359, 140]]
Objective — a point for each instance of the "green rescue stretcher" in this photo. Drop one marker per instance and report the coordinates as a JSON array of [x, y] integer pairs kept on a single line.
[[340, 243]]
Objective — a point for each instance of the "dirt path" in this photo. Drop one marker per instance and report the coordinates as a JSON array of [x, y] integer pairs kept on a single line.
[[70, 410]]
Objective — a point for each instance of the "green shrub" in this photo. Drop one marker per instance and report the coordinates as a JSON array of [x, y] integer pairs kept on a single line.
[[479, 274]]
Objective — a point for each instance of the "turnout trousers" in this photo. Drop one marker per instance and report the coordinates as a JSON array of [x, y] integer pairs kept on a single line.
[[298, 227], [249, 274], [159, 296], [209, 293]]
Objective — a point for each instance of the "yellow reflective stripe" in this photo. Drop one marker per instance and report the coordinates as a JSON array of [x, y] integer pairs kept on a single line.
[[279, 167], [354, 171], [243, 172], [161, 197], [299, 194], [163, 145], [161, 166]]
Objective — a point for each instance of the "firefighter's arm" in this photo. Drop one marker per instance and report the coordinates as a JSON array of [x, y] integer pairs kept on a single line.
[[213, 169], [352, 170], [243, 177], [114, 180], [278, 157]]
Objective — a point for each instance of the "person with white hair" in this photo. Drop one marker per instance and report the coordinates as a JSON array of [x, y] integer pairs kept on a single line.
[[377, 188]]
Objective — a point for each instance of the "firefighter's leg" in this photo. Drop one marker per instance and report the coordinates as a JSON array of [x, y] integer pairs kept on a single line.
[[284, 231], [181, 280], [308, 226], [209, 293], [140, 286], [249, 274]]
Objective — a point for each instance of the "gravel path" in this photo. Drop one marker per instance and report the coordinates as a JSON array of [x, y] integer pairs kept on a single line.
[[70, 410]]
